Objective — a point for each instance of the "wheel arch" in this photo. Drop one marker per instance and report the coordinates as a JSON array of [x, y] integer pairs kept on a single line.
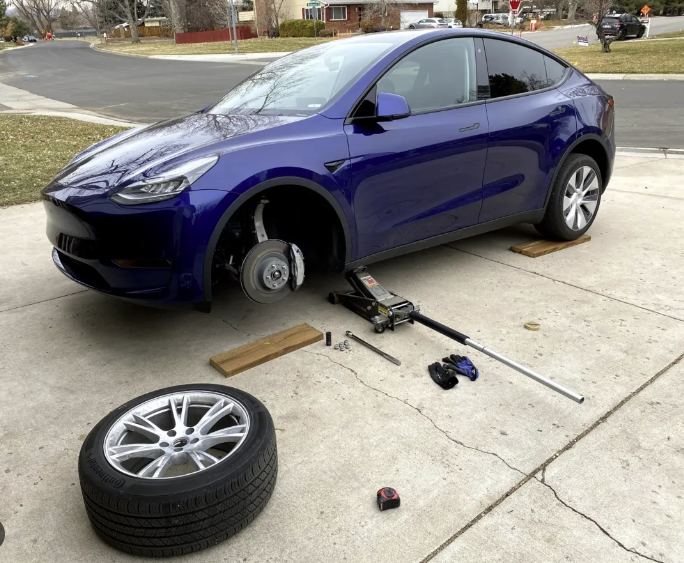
[[590, 145], [284, 182]]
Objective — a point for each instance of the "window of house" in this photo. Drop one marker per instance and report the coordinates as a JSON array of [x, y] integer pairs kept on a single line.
[[309, 14], [437, 76], [338, 13]]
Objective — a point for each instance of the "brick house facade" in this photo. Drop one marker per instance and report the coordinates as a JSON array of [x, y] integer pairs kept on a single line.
[[333, 14], [344, 16]]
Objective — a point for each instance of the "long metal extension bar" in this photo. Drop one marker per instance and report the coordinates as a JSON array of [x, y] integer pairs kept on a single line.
[[467, 341]]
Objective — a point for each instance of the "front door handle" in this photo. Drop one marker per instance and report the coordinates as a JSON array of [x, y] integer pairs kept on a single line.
[[471, 128], [558, 110]]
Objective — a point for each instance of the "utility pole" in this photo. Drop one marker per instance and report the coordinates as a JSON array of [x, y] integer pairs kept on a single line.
[[233, 18]]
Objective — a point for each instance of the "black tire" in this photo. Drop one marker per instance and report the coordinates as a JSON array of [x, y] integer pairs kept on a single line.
[[642, 30], [553, 224], [165, 517], [622, 35]]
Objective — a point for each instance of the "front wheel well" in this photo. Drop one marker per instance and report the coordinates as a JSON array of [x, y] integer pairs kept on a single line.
[[294, 214], [594, 149]]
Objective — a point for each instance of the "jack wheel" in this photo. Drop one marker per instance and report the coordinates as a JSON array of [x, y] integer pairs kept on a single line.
[[379, 328], [333, 299]]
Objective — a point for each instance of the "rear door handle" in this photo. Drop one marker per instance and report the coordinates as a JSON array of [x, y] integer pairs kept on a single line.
[[471, 128], [558, 110]]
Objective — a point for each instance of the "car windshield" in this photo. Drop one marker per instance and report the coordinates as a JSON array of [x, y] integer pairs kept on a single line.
[[611, 19], [442, 21], [303, 83]]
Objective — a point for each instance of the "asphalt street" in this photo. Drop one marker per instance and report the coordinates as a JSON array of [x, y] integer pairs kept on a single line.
[[565, 37], [134, 88], [649, 114]]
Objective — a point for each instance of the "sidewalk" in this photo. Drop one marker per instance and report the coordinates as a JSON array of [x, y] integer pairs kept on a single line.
[[16, 100]]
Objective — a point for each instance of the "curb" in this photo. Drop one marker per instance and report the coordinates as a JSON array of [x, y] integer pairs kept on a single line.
[[649, 152], [79, 116], [606, 76]]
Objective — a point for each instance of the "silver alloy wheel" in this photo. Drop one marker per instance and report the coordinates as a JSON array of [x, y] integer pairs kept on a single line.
[[581, 198], [156, 440]]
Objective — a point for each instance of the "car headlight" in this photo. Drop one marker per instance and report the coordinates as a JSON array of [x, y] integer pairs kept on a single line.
[[166, 185]]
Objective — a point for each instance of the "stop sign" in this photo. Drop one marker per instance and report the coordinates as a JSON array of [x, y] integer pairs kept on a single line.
[[515, 4]]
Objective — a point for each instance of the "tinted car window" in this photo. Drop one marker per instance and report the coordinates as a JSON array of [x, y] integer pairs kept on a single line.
[[554, 71], [514, 69], [437, 76]]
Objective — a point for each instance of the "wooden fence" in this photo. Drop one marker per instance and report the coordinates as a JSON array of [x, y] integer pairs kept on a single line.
[[153, 31]]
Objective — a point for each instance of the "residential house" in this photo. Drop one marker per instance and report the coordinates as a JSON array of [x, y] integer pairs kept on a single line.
[[346, 15]]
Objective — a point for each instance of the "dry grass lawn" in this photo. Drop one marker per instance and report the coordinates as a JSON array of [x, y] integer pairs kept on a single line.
[[260, 45], [629, 57], [35, 147]]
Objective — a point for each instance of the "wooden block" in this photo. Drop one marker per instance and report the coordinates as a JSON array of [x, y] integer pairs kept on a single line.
[[537, 248], [265, 349]]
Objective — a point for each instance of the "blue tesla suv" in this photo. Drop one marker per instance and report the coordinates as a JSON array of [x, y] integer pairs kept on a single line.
[[339, 155]]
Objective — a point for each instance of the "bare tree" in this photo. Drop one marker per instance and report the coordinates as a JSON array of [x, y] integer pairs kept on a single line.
[[40, 14], [572, 9], [599, 9], [176, 10], [131, 12], [462, 12], [382, 9]]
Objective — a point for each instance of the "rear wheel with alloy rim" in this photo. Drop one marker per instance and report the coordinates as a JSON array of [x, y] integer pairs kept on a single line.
[[575, 199], [179, 469]]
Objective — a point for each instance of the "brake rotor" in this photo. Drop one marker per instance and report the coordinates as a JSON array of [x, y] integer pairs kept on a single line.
[[266, 271]]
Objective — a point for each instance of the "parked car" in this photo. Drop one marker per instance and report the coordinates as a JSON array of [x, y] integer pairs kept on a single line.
[[453, 22], [623, 26], [495, 19], [429, 23], [29, 39], [340, 155]]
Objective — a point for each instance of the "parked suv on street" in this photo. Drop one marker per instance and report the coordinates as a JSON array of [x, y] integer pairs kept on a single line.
[[623, 26], [339, 155]]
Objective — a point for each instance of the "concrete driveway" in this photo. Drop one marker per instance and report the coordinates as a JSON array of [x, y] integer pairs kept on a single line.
[[501, 469]]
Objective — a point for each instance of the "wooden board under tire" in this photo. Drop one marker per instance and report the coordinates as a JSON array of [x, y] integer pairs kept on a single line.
[[538, 248], [265, 349]]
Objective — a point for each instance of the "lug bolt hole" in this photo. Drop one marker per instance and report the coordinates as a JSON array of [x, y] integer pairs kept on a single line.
[[177, 449], [194, 440], [171, 433], [164, 444], [189, 431]]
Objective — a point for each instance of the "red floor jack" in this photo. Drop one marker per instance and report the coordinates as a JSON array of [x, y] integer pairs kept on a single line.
[[386, 310]]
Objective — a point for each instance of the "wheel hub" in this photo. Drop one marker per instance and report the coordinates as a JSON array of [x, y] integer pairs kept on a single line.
[[274, 273]]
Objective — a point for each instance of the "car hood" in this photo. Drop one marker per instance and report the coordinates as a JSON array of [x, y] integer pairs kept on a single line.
[[112, 163]]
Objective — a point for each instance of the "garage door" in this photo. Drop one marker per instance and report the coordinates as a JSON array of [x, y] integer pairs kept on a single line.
[[411, 16]]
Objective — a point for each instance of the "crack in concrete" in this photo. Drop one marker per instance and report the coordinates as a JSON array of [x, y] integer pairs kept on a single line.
[[43, 301], [566, 283], [590, 519], [542, 467], [235, 328], [419, 411]]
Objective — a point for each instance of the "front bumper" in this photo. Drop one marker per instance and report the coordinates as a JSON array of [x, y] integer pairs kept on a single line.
[[152, 254]]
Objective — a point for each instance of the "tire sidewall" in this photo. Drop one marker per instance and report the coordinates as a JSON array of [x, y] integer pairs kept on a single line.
[[94, 466], [577, 161]]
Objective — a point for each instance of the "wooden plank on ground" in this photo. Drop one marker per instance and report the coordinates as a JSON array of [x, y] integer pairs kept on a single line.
[[537, 248], [265, 349]]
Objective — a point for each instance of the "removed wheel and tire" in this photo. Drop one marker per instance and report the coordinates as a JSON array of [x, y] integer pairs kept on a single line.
[[179, 469], [575, 199]]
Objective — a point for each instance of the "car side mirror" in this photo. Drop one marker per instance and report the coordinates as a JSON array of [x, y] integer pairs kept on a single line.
[[391, 106]]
